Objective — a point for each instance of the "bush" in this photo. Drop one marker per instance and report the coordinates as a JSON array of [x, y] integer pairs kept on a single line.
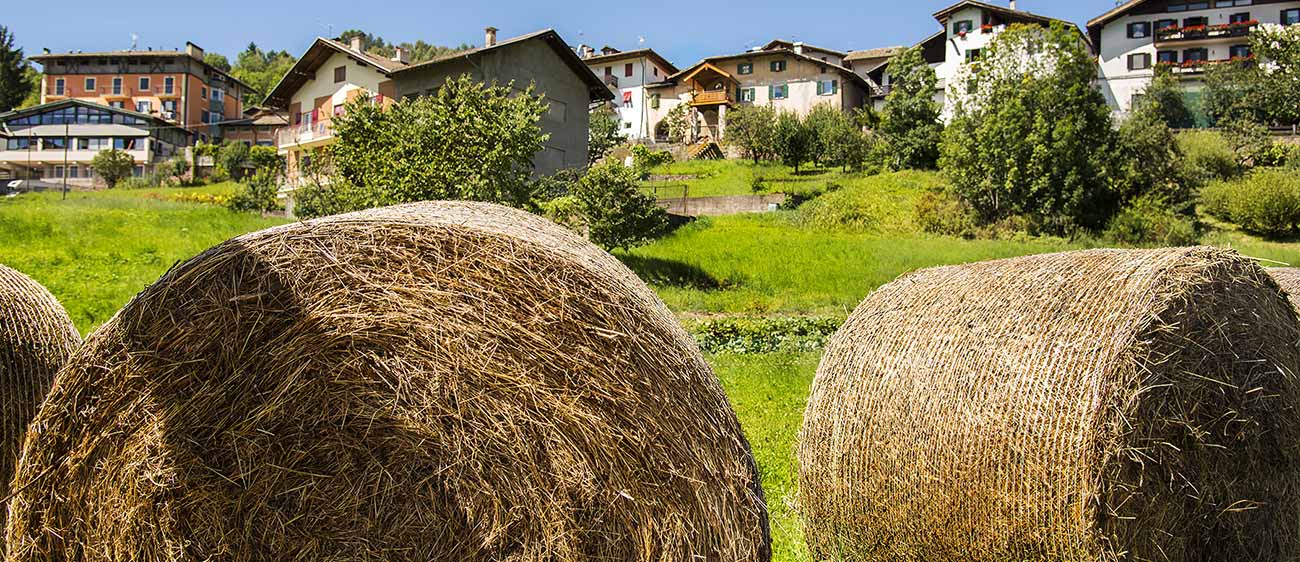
[[112, 166], [615, 213], [603, 134], [644, 160], [562, 211], [1148, 221], [554, 186], [1207, 157], [231, 158], [764, 335], [1266, 202], [943, 213], [1278, 154], [259, 194]]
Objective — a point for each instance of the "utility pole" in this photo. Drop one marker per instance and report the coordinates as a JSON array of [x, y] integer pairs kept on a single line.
[[66, 140]]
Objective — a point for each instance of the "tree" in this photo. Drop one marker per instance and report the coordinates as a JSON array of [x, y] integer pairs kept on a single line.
[[910, 130], [217, 61], [677, 122], [1031, 136], [1147, 163], [16, 82], [616, 214], [794, 140], [469, 141], [1164, 98], [603, 134], [752, 129], [231, 157], [1264, 88], [113, 166], [262, 70], [839, 140], [418, 51]]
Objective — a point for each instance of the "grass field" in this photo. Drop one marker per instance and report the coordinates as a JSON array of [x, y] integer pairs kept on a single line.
[[96, 250], [714, 178]]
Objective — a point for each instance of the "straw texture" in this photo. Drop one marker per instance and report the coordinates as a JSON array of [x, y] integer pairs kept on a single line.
[[436, 381], [1088, 406], [1289, 279], [36, 339]]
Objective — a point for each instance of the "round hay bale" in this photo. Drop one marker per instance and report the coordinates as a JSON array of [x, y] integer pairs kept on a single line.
[[1289, 279], [36, 339], [1088, 406], [436, 381]]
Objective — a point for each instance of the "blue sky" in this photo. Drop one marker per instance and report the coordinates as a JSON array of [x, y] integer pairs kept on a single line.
[[683, 31]]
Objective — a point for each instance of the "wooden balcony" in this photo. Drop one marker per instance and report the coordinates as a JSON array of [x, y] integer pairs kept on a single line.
[[713, 97], [1206, 33]]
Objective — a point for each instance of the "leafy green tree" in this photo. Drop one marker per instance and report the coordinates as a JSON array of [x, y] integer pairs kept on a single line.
[[16, 82], [1148, 163], [34, 77], [617, 215], [231, 157], [1164, 98], [265, 157], [1262, 91], [470, 141], [795, 142], [218, 61], [752, 129], [839, 140], [677, 123], [112, 166], [1031, 136], [259, 194], [419, 51], [909, 129], [603, 134], [262, 70]]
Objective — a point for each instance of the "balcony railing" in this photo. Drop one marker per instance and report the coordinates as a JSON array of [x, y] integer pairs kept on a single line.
[[1206, 32], [304, 133], [712, 97], [1199, 66], [611, 80]]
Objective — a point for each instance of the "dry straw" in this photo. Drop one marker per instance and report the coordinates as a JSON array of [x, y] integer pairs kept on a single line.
[[1289, 279], [437, 381], [1089, 406], [36, 339]]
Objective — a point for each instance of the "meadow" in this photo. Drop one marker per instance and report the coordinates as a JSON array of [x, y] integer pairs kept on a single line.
[[96, 250]]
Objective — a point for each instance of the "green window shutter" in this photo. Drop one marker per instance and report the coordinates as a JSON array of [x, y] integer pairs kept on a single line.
[[819, 88], [771, 92], [835, 86]]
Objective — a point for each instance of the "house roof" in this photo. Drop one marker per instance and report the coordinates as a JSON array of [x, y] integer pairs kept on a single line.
[[596, 88], [1115, 12], [883, 52], [1014, 14], [638, 53], [776, 44], [320, 51], [155, 122], [748, 54], [44, 59], [260, 117]]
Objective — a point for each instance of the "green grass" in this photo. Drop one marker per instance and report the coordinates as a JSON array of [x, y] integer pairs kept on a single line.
[[98, 249], [716, 178], [768, 393]]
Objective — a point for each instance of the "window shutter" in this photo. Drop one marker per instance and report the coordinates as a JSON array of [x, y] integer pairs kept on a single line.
[[835, 86], [771, 91], [820, 88]]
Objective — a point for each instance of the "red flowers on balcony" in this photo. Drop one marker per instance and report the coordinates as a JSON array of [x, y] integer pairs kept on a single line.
[[986, 28]]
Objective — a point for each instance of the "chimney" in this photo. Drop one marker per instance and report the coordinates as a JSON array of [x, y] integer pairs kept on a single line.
[[402, 56], [193, 50], [798, 47], [489, 36], [582, 51], [355, 44], [46, 50], [1013, 4]]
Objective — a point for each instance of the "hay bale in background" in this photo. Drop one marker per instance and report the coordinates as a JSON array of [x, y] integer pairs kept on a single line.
[[1096, 405], [437, 381], [1289, 279], [36, 339]]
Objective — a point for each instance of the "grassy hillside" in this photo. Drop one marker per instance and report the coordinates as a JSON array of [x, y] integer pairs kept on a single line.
[[714, 178]]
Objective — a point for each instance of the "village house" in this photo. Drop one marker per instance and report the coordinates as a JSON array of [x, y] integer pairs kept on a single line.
[[627, 74], [786, 76], [331, 74], [177, 87], [968, 28], [1138, 36], [58, 140], [258, 127]]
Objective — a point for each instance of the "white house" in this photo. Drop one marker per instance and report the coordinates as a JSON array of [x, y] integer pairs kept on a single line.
[[627, 73], [1136, 36], [968, 28]]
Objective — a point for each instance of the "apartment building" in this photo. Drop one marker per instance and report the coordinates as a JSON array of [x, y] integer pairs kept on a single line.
[[59, 139], [786, 76], [177, 87], [1136, 37], [627, 73], [967, 29]]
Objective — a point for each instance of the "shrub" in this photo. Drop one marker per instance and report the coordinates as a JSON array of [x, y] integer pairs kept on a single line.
[[941, 212], [1207, 157], [112, 166], [752, 129], [756, 184], [562, 211], [1148, 221], [259, 194], [1278, 154], [554, 186], [795, 142], [603, 134], [231, 158], [644, 160], [615, 213], [764, 335], [1266, 202]]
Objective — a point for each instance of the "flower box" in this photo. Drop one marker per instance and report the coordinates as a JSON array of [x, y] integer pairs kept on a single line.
[[986, 28]]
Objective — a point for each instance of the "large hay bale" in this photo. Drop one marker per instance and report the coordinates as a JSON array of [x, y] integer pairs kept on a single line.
[[438, 381], [1088, 406], [36, 339], [1289, 279]]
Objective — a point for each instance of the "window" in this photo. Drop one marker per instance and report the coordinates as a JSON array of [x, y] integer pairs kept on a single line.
[[627, 99], [627, 124], [53, 143], [745, 68], [169, 105], [654, 101], [118, 104], [90, 85], [205, 117], [124, 143], [1166, 25], [169, 85], [144, 84], [1190, 6], [1291, 17], [1167, 57], [779, 92], [19, 144], [1139, 61], [97, 143], [143, 106], [203, 92], [745, 94], [1195, 22], [609, 71], [58, 86], [73, 171], [117, 85], [973, 55], [1239, 52], [828, 87], [138, 171], [340, 74], [218, 95], [1240, 17], [58, 171], [964, 26], [1139, 30], [627, 70], [1196, 55], [778, 66], [1231, 3], [656, 71]]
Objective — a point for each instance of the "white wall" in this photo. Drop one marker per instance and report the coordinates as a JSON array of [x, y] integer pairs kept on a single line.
[[635, 122], [359, 76], [1119, 84]]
